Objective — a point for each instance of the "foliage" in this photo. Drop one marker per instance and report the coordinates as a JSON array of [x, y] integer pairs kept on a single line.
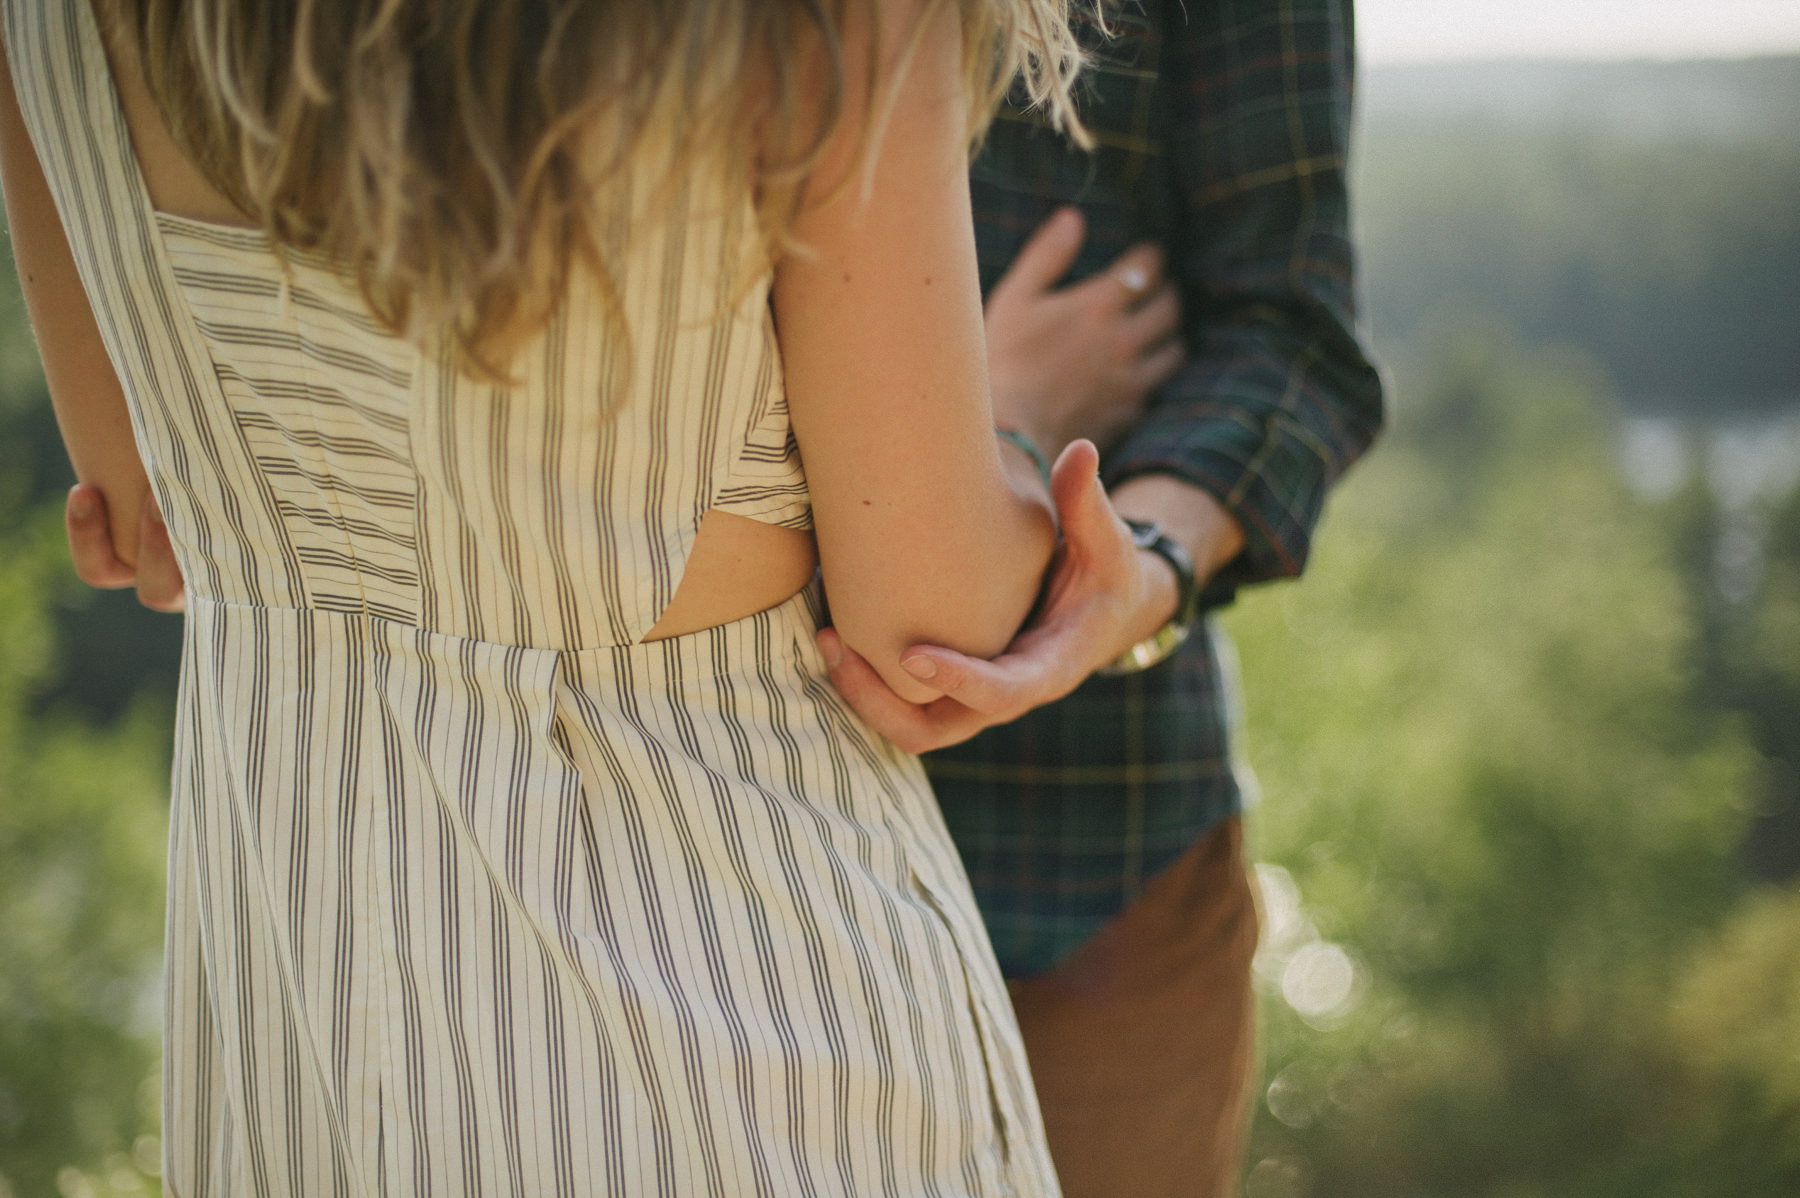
[[1491, 779], [1737, 1013], [1750, 650], [83, 803], [82, 832]]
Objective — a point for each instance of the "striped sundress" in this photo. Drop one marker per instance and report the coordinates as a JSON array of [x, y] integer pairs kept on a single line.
[[472, 892]]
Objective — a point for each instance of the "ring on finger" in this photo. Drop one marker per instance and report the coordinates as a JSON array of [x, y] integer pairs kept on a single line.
[[1134, 279]]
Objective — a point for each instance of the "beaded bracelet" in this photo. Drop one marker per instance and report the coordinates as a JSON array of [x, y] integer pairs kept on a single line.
[[1029, 448]]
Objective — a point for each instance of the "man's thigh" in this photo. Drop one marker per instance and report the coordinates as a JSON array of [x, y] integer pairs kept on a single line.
[[1141, 1042]]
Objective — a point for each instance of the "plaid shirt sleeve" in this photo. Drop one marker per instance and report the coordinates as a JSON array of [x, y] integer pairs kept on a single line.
[[1278, 396]]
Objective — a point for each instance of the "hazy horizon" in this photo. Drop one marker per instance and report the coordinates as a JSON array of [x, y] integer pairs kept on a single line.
[[1548, 60], [1424, 32]]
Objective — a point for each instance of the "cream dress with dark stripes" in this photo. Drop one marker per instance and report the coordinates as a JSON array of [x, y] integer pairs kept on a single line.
[[470, 892]]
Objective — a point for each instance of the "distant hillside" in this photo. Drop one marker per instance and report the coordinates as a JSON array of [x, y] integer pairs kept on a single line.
[[1648, 213], [1754, 99]]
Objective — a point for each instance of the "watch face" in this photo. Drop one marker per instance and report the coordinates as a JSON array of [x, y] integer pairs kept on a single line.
[[1149, 536], [1153, 650], [1144, 533]]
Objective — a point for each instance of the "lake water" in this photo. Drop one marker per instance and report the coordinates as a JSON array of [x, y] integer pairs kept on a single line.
[[1750, 464]]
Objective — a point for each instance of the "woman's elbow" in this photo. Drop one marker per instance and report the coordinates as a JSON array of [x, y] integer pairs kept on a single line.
[[973, 604]]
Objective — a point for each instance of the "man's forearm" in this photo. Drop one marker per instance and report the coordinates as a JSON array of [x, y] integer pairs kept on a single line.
[[1278, 395], [1194, 518]]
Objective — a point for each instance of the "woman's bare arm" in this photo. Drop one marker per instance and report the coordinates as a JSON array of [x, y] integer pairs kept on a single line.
[[926, 534], [90, 406]]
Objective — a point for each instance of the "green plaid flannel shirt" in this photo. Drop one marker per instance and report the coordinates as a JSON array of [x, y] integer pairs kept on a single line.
[[1221, 130]]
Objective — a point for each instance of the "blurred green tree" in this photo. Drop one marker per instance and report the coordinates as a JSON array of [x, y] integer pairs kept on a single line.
[[1749, 650], [1737, 1014], [83, 831], [1496, 796], [84, 736]]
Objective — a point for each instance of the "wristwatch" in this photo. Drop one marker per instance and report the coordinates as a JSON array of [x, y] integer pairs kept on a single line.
[[1161, 644]]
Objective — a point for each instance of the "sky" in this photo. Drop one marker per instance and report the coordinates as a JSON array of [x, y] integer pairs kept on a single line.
[[1399, 31]]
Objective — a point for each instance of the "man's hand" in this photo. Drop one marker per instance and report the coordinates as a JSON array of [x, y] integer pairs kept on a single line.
[[1102, 596], [154, 574], [1078, 361]]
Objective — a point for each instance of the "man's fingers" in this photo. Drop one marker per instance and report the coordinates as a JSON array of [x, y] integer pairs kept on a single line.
[[868, 695], [1157, 320], [159, 582], [994, 688], [90, 540], [1155, 368], [1089, 525], [1076, 466], [1133, 277], [914, 728], [1047, 256]]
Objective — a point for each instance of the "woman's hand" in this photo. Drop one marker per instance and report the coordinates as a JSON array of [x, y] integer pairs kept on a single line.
[[1077, 361], [97, 562], [1102, 595]]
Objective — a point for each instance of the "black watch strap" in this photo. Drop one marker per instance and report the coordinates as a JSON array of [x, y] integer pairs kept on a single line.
[[1147, 534], [1161, 644]]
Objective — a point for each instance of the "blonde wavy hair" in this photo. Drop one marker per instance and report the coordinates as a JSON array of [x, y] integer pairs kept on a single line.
[[456, 157]]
